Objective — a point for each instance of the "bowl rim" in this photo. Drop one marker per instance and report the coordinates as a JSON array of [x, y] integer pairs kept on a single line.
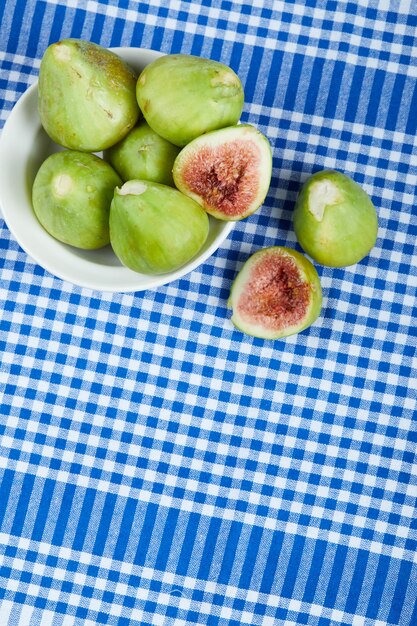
[[133, 281]]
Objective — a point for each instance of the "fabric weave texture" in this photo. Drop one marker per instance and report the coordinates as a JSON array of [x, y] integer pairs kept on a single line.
[[157, 466]]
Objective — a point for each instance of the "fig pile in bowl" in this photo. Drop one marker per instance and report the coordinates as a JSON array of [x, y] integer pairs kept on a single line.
[[148, 160]]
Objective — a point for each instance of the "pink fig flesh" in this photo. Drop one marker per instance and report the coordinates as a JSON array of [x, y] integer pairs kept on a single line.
[[277, 293], [227, 172]]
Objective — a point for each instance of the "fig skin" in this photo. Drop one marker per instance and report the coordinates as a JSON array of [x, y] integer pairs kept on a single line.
[[335, 221], [143, 155], [87, 95], [71, 198], [228, 171], [155, 229], [183, 96], [277, 293]]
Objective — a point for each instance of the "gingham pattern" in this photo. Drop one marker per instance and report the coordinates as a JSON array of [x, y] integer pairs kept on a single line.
[[159, 467]]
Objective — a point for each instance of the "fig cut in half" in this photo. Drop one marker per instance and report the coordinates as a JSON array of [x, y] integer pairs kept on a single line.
[[277, 293], [227, 171]]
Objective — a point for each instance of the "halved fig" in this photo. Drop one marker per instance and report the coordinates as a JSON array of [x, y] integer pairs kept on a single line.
[[183, 96], [277, 293], [227, 171], [335, 220]]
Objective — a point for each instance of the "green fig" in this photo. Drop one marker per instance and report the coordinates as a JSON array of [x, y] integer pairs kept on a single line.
[[71, 196], [277, 293], [143, 155], [154, 228], [227, 171], [87, 95], [334, 219], [182, 96]]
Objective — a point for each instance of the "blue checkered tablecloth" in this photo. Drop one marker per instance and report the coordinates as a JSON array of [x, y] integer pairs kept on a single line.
[[158, 467]]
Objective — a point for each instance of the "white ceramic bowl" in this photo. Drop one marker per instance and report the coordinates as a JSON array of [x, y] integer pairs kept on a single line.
[[24, 145]]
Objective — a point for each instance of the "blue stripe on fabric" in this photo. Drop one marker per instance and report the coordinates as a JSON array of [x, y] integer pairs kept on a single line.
[[64, 511], [97, 28], [117, 34], [314, 86], [197, 45], [395, 101], [355, 94], [413, 620], [157, 36], [43, 509], [272, 562], [57, 23], [230, 552], [397, 602], [336, 575], [188, 544], [293, 566], [78, 23], [22, 504], [177, 40], [236, 56], [375, 97], [357, 581], [209, 548], [146, 533], [250, 557], [33, 39], [216, 49], [125, 528], [19, 11], [166, 539], [105, 521], [2, 7], [270, 91], [84, 519], [378, 585], [5, 490], [293, 82], [411, 127], [137, 35], [315, 570], [253, 72], [334, 89]]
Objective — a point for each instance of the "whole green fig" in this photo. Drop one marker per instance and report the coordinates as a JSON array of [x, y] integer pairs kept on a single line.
[[71, 196], [182, 96], [87, 95], [334, 219], [143, 155], [154, 228]]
